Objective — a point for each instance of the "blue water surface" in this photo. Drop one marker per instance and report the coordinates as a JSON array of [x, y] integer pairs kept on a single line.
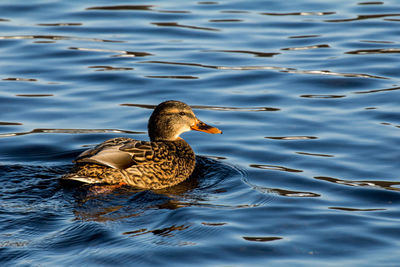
[[307, 93]]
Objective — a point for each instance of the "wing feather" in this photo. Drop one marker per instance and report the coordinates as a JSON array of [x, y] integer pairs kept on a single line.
[[122, 153]]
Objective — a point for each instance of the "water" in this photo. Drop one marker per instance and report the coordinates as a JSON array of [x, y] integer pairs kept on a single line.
[[306, 93]]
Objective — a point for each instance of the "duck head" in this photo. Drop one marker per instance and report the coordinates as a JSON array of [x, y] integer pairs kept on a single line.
[[171, 118]]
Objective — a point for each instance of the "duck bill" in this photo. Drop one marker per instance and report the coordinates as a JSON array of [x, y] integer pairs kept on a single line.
[[202, 127]]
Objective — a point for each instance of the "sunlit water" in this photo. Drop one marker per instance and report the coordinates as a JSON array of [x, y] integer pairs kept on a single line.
[[306, 93]]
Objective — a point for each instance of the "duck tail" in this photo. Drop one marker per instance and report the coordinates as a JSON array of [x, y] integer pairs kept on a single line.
[[79, 178]]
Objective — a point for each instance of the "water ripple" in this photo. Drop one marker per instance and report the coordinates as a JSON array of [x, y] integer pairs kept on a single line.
[[168, 231], [10, 123], [315, 154], [292, 193], [135, 8], [55, 37], [60, 24], [122, 7], [281, 69], [109, 68], [274, 168], [262, 239], [388, 185], [370, 3], [327, 72], [175, 24], [120, 53], [34, 95], [378, 90], [304, 36], [19, 79], [299, 14], [354, 209], [374, 51], [306, 47], [363, 17], [184, 77], [70, 131], [323, 96], [257, 54], [292, 137], [225, 20]]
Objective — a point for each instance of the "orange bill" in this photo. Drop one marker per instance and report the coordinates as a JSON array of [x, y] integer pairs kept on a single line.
[[202, 127]]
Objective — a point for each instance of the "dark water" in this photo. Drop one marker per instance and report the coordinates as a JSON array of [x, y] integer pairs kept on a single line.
[[306, 92]]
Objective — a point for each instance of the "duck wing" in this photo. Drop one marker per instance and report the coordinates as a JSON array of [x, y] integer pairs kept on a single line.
[[122, 153]]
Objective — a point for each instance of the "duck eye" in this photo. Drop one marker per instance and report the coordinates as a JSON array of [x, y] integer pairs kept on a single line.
[[182, 113]]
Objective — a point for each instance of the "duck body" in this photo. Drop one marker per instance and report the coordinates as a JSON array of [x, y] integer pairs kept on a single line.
[[164, 161]]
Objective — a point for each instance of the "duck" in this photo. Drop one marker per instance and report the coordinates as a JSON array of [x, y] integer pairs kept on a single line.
[[164, 161]]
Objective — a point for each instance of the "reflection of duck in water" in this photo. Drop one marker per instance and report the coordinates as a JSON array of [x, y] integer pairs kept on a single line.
[[163, 162]]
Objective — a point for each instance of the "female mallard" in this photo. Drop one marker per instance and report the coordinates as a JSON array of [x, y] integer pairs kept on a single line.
[[164, 161]]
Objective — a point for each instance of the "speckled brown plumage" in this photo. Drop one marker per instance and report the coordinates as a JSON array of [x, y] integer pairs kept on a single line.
[[164, 161]]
